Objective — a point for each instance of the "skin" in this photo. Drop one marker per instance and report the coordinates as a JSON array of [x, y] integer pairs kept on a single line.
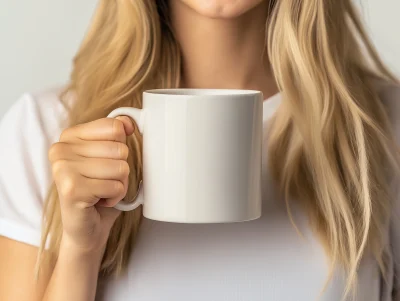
[[89, 162], [234, 55]]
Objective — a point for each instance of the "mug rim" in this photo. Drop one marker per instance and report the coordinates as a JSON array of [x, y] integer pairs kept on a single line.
[[202, 92]]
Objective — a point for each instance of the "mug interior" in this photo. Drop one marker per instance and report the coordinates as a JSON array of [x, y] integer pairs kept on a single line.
[[202, 92]]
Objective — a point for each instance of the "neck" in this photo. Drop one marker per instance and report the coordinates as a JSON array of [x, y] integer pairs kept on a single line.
[[223, 53]]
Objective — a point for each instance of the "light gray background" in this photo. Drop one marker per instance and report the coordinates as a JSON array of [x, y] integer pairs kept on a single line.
[[39, 38]]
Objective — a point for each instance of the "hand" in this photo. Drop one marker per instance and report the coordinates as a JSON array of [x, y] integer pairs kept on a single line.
[[90, 170]]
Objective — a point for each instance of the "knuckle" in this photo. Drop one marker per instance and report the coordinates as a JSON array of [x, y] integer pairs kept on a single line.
[[54, 151], [65, 133], [123, 169], [67, 187], [58, 167], [118, 129]]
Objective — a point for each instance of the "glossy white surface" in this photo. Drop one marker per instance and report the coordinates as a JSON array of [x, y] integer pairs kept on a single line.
[[201, 155]]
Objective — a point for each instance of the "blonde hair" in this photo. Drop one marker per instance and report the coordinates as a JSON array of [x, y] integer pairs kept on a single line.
[[329, 139]]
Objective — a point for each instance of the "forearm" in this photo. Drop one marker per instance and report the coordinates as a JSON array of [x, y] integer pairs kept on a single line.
[[75, 275]]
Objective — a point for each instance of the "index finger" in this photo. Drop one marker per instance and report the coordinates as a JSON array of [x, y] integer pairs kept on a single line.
[[104, 129]]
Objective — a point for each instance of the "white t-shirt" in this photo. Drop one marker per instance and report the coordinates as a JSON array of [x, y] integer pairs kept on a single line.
[[259, 260]]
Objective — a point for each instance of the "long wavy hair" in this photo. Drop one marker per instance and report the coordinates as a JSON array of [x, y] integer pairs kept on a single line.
[[329, 140]]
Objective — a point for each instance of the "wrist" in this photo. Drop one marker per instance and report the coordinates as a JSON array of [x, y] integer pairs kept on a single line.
[[68, 246]]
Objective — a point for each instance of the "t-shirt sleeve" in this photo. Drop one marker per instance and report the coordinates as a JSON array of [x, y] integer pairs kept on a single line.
[[25, 175], [391, 96], [395, 222], [395, 243]]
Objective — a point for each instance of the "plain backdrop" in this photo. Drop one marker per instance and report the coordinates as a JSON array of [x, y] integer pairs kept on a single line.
[[38, 39]]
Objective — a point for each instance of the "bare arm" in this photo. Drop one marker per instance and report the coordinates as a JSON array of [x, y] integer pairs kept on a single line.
[[75, 275], [17, 281]]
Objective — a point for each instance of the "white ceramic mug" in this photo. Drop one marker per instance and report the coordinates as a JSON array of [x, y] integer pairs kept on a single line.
[[201, 155]]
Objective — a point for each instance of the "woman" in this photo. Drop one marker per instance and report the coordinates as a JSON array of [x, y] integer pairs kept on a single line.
[[330, 227]]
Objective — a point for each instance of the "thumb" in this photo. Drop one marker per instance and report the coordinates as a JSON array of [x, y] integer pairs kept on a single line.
[[129, 124]]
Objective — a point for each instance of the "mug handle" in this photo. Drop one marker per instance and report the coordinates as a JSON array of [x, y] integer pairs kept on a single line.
[[138, 116]]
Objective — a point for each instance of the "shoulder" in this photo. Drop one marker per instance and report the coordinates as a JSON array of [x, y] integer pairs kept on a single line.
[[41, 111], [27, 130], [32, 123]]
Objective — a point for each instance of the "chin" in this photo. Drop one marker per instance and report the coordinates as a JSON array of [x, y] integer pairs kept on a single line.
[[221, 9]]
